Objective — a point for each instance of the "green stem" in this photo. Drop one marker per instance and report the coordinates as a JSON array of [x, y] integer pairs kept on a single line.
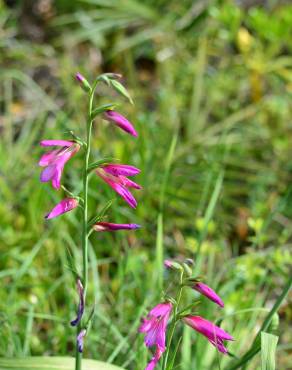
[[85, 234], [174, 322]]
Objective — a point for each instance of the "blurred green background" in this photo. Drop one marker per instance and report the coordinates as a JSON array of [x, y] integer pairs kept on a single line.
[[212, 85]]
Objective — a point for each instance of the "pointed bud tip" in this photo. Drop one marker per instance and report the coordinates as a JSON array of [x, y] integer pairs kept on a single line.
[[83, 82], [170, 264], [79, 77]]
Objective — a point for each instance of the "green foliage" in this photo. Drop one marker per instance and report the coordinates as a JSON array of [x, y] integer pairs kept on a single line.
[[211, 84]]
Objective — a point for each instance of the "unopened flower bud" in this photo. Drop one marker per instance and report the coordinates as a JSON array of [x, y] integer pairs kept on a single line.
[[83, 82], [169, 264]]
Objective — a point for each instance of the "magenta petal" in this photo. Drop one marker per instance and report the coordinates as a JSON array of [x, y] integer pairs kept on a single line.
[[48, 173], [64, 143], [117, 183], [119, 188], [209, 293], [161, 309], [107, 226], [64, 206], [152, 364], [213, 333], [220, 346], [79, 77], [48, 158], [126, 195], [145, 326], [129, 183], [120, 121], [121, 169], [56, 180]]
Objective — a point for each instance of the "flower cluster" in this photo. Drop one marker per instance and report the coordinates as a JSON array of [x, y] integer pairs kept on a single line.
[[155, 324], [115, 175]]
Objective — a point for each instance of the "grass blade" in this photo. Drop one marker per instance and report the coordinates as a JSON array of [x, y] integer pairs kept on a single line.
[[268, 351]]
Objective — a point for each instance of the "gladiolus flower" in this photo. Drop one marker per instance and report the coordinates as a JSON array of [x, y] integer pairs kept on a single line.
[[80, 339], [80, 305], [108, 226], [209, 293], [115, 176], [55, 160], [64, 206], [155, 328], [121, 169], [120, 121], [213, 333]]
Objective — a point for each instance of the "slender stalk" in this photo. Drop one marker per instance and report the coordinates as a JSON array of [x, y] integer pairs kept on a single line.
[[78, 358], [85, 234], [174, 322]]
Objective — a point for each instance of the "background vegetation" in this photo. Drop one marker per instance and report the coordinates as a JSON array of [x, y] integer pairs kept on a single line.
[[212, 84]]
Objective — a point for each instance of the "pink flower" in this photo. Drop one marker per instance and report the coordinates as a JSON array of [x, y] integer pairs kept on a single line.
[[120, 121], [153, 362], [55, 160], [155, 328], [64, 206], [209, 293], [107, 226], [213, 333], [115, 176]]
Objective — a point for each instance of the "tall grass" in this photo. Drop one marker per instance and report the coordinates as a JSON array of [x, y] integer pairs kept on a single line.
[[212, 86]]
